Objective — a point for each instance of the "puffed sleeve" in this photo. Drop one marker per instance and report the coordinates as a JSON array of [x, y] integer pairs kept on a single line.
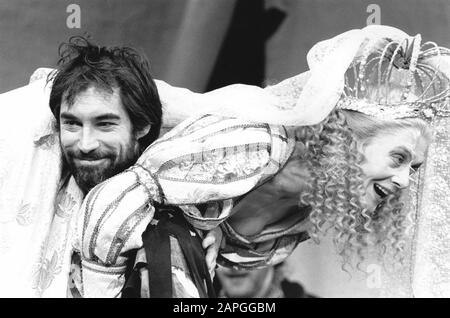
[[113, 217]]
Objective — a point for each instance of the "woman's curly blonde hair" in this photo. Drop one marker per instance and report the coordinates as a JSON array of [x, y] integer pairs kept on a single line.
[[336, 188]]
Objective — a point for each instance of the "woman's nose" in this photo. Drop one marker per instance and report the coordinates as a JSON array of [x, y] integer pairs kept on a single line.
[[401, 178]]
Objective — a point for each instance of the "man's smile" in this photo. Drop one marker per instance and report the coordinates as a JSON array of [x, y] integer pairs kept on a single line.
[[90, 162]]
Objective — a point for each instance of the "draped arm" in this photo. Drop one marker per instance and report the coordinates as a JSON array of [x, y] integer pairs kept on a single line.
[[113, 217]]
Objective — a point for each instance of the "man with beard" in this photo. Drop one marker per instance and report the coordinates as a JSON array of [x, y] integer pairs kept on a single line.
[[107, 111]]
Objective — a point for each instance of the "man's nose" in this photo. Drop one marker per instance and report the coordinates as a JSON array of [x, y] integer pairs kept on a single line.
[[401, 178], [88, 141]]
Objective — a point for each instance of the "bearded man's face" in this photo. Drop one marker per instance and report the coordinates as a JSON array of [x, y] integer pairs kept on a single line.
[[96, 137]]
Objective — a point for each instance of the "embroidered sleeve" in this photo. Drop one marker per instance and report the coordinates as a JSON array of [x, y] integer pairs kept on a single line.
[[212, 158], [114, 215]]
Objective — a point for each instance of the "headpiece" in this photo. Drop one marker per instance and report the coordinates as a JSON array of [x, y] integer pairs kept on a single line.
[[392, 75]]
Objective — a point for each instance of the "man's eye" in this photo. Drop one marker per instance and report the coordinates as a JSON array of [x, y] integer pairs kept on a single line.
[[71, 123], [106, 124]]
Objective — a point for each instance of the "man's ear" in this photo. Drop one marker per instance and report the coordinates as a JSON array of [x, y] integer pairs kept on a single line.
[[143, 131]]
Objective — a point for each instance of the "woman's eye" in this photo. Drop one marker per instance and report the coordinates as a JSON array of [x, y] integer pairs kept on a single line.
[[398, 159]]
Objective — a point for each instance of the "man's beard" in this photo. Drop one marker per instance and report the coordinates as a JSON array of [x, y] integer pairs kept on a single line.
[[87, 177]]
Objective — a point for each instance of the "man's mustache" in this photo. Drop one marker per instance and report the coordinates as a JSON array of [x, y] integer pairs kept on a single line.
[[89, 156]]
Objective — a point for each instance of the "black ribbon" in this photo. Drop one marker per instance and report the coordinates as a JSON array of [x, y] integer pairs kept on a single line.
[[170, 222]]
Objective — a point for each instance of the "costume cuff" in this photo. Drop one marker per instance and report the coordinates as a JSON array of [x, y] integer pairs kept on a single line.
[[102, 281]]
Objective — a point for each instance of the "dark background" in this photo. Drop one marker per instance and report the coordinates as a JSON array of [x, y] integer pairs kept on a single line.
[[202, 44]]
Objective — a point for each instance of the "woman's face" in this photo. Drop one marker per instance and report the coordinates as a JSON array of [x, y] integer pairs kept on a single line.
[[389, 160]]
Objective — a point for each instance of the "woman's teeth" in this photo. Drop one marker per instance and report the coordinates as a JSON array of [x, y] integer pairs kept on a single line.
[[381, 191]]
